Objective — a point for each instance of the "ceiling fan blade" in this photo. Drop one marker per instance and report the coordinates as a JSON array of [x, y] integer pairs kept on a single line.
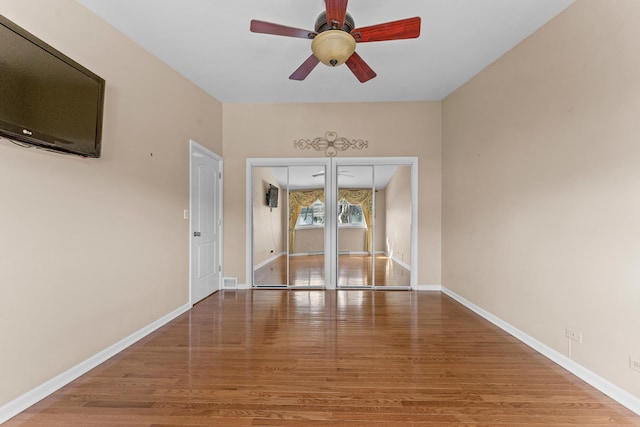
[[360, 68], [280, 30], [336, 13], [396, 30], [303, 71], [315, 175]]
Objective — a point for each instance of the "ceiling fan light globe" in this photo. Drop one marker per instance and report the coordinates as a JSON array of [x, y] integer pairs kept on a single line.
[[333, 47]]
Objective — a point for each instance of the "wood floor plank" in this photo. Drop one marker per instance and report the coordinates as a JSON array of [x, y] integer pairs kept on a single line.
[[320, 358]]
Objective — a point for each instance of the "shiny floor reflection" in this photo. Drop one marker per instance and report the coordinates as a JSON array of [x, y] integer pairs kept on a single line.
[[353, 270], [327, 358]]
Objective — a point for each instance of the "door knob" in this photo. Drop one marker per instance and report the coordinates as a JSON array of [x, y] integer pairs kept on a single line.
[[196, 234]]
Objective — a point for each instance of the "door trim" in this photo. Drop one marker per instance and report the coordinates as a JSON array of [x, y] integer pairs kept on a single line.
[[193, 145]]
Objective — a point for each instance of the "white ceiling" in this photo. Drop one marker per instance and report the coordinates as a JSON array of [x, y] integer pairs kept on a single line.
[[209, 42]]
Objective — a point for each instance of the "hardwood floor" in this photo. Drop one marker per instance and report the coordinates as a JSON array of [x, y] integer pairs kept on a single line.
[[353, 270], [327, 358]]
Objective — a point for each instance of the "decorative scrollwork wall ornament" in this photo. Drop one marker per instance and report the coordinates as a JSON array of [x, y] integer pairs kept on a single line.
[[331, 143]]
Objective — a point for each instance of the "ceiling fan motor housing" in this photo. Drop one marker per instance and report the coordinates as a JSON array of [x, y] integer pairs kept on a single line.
[[321, 23]]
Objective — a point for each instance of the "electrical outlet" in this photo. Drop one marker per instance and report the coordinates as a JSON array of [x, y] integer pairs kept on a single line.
[[634, 364], [573, 335]]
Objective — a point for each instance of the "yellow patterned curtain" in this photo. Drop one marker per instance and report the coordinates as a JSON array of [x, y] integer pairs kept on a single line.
[[364, 198], [297, 200]]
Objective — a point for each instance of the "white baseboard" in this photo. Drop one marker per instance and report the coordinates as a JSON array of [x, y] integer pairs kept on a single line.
[[267, 261], [613, 391], [436, 288], [400, 263], [32, 397], [300, 254]]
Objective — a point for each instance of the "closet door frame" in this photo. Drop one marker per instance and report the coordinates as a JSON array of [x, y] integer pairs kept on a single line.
[[331, 165]]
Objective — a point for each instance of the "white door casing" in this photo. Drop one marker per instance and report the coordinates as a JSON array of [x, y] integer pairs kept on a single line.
[[206, 222]]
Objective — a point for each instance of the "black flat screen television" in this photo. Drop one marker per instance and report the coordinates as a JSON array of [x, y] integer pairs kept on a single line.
[[272, 196], [47, 99]]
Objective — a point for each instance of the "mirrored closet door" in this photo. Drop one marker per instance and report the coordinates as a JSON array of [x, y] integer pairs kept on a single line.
[[332, 223], [288, 224], [374, 224]]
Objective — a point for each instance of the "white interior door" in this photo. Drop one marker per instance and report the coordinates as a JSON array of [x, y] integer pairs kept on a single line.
[[206, 222]]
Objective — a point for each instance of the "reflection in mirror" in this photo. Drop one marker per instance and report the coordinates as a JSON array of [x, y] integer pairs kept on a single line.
[[288, 226], [355, 221], [374, 225], [269, 227], [306, 226], [367, 229], [393, 265]]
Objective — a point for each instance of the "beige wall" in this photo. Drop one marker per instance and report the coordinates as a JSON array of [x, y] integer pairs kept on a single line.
[[92, 250], [352, 239], [398, 208], [392, 129], [541, 197], [270, 224], [308, 240], [380, 232]]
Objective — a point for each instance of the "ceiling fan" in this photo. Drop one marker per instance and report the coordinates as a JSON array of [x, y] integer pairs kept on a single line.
[[335, 37], [342, 173]]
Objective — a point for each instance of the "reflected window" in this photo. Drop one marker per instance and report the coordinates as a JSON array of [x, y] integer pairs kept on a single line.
[[348, 215], [311, 215]]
